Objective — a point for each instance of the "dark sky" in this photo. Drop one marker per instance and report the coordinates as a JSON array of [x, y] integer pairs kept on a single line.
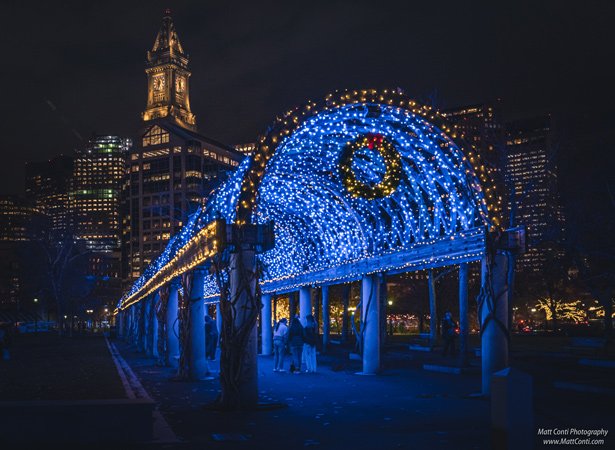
[[71, 69]]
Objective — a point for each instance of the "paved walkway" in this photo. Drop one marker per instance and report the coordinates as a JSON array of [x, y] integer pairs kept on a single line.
[[403, 408]]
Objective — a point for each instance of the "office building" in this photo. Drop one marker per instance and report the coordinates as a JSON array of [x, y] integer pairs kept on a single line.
[[531, 172], [48, 184], [172, 167]]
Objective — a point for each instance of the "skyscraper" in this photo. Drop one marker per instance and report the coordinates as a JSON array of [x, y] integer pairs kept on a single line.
[[48, 184], [481, 127], [20, 222], [172, 167], [95, 204], [530, 173], [98, 174]]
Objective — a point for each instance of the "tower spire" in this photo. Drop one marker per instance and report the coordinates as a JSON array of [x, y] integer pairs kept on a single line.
[[166, 39], [168, 75]]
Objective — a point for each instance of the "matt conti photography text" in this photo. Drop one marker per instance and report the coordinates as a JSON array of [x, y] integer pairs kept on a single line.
[[573, 436]]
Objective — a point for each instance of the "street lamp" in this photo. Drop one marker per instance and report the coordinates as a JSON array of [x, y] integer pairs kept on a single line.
[[390, 302], [36, 316]]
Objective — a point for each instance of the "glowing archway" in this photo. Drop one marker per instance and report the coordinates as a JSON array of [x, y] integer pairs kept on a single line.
[[361, 182], [360, 175]]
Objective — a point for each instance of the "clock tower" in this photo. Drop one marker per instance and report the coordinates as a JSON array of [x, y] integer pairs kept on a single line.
[[167, 78]]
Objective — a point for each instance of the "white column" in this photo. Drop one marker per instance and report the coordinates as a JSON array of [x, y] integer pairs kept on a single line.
[[172, 324], [266, 327], [326, 321], [134, 326], [198, 360], [127, 335], [370, 317], [119, 324], [147, 302], [305, 303], [463, 314], [142, 325], [493, 313], [154, 327]]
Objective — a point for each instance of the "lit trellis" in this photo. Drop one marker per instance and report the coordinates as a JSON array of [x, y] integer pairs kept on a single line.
[[320, 222], [361, 175]]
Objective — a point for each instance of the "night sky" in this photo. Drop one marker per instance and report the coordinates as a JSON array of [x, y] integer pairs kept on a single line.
[[71, 69]]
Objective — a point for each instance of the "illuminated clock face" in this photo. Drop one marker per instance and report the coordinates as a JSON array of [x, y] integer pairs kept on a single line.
[[159, 83], [180, 85]]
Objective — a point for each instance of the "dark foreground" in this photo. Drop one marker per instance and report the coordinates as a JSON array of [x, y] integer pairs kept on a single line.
[[45, 366], [406, 407]]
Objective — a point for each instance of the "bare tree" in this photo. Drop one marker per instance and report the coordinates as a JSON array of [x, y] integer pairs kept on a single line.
[[60, 270]]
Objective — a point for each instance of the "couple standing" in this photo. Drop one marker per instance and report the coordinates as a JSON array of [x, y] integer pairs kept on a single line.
[[302, 343]]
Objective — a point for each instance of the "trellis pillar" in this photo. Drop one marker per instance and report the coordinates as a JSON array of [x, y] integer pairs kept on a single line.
[[128, 325], [173, 323], [218, 318], [141, 326], [493, 313], [326, 321], [154, 326], [243, 292], [146, 310], [305, 303], [120, 324], [198, 360], [134, 325], [370, 319], [266, 327], [433, 312], [463, 314], [345, 304]]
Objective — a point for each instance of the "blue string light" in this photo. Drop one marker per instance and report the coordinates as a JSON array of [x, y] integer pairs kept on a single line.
[[319, 222]]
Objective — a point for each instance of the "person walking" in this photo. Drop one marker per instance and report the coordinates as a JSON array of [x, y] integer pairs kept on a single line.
[[295, 341], [280, 337], [310, 337], [449, 333]]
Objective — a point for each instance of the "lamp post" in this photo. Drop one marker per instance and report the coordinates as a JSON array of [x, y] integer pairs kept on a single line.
[[390, 302], [36, 315], [90, 324]]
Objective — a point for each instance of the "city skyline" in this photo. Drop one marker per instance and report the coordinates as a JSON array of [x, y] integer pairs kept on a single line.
[[414, 201], [245, 73]]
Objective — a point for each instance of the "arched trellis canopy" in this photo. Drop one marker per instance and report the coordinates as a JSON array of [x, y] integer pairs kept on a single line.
[[361, 182]]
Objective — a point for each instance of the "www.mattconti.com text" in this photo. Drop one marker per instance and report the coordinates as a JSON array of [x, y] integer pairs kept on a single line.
[[573, 436]]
